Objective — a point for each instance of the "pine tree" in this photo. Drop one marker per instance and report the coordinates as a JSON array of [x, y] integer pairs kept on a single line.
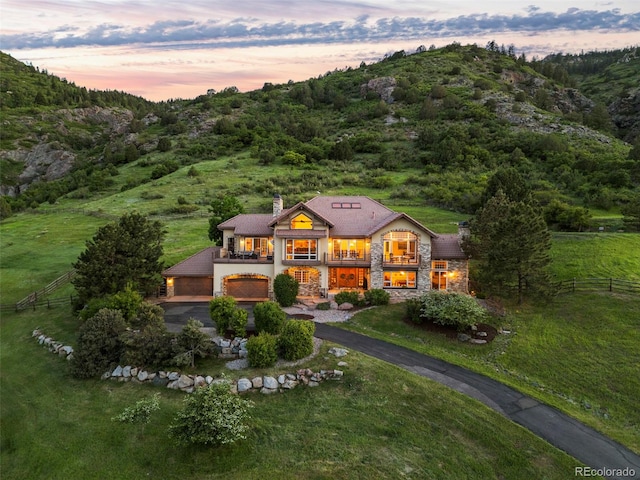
[[511, 241]]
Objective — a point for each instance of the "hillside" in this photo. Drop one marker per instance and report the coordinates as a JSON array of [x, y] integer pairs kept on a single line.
[[425, 129]]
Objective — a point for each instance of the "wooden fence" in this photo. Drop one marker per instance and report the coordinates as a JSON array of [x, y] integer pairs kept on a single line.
[[41, 303], [37, 298], [597, 284]]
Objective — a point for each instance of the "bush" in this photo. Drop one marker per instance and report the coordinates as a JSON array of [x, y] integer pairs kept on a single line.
[[269, 317], [413, 310], [140, 412], [262, 350], [377, 296], [349, 297], [192, 342], [221, 310], [239, 321], [99, 346], [285, 288], [323, 306], [211, 416], [455, 309], [151, 346], [296, 339]]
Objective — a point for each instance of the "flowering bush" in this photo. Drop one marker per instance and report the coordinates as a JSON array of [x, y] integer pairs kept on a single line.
[[456, 309]]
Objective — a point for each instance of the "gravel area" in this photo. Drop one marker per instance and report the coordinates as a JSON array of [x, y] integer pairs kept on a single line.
[[320, 316]]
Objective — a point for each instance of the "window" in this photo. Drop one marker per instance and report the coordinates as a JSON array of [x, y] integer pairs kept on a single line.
[[439, 275], [301, 249], [348, 249], [399, 279], [301, 221], [400, 247], [261, 246], [301, 276]]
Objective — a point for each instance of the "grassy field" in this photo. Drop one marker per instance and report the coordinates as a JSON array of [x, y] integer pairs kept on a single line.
[[377, 422], [578, 353]]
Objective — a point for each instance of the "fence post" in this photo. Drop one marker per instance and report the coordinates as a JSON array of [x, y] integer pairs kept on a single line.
[[611, 284], [574, 285]]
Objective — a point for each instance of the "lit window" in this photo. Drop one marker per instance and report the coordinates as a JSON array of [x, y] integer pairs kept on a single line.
[[393, 279], [301, 249], [301, 222], [301, 276], [400, 247], [439, 275]]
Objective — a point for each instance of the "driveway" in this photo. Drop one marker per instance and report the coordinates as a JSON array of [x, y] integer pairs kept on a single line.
[[176, 314]]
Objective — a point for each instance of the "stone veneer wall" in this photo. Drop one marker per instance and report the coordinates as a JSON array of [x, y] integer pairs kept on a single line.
[[423, 274], [311, 289], [460, 282]]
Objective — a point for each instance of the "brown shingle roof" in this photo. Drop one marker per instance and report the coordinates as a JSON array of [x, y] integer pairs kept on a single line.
[[197, 265], [446, 246], [248, 224]]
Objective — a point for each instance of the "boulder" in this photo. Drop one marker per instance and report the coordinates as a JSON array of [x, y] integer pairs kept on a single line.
[[244, 384], [257, 382], [270, 382], [345, 306]]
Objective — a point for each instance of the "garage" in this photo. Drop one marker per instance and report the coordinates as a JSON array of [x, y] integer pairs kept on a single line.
[[194, 286], [248, 288]]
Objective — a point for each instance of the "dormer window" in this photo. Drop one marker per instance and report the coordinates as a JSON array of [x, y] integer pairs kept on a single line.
[[301, 222]]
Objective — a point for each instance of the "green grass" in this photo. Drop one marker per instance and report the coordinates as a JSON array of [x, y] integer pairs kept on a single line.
[[588, 255], [379, 421], [578, 353]]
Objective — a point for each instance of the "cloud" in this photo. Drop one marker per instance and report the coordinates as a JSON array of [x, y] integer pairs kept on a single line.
[[247, 32]]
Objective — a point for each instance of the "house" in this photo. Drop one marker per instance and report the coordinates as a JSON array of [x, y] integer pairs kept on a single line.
[[327, 244]]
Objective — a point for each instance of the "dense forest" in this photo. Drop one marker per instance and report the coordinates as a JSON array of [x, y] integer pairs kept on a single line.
[[429, 127]]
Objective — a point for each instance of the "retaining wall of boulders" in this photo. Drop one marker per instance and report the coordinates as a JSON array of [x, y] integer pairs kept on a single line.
[[187, 383]]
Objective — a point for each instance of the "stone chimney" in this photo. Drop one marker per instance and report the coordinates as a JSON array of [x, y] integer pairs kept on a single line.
[[277, 205]]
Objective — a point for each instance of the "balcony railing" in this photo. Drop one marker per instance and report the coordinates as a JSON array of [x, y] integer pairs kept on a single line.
[[351, 257], [241, 257], [410, 260]]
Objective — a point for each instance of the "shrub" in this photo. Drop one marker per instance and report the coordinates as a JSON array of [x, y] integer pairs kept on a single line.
[[211, 416], [140, 412], [269, 317], [151, 346], [348, 297], [456, 309], [262, 350], [413, 310], [285, 288], [296, 339], [377, 296], [221, 310], [323, 306], [99, 346], [239, 321], [192, 342]]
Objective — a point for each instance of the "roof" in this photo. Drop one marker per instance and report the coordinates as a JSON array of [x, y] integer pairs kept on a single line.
[[447, 246], [347, 216], [247, 224], [197, 265]]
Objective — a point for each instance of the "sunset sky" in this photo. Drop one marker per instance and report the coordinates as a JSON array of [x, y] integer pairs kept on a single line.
[[169, 49]]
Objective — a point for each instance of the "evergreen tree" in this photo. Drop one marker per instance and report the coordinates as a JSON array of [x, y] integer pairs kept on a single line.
[[631, 212], [121, 253], [511, 242], [222, 208]]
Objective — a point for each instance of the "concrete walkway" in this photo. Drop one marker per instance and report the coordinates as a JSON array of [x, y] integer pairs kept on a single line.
[[582, 442]]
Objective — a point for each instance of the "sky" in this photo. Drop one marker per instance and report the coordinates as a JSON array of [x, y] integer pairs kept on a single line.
[[169, 49]]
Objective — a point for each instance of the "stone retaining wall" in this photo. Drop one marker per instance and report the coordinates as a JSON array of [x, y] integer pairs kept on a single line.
[[187, 383]]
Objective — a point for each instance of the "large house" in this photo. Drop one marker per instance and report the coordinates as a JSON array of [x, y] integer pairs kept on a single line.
[[328, 244]]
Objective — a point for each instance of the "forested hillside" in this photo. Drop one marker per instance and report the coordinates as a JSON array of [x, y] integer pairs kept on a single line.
[[421, 128]]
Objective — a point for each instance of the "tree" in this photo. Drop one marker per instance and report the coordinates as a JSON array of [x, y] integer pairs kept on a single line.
[[126, 252], [192, 342], [285, 288], [510, 182], [222, 208], [631, 212], [511, 241], [269, 317], [99, 345], [211, 415]]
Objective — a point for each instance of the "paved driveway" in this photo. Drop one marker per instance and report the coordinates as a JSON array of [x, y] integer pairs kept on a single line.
[[176, 314]]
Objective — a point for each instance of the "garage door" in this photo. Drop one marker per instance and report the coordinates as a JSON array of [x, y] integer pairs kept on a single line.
[[194, 286], [245, 288]]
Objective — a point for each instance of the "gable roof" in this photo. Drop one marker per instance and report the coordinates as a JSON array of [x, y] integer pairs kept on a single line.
[[346, 215], [199, 264], [447, 246]]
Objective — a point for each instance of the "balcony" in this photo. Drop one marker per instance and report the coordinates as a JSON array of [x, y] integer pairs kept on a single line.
[[241, 257], [348, 258], [410, 261]]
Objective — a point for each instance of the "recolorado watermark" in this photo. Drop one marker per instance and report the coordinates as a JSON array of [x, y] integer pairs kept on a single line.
[[604, 472]]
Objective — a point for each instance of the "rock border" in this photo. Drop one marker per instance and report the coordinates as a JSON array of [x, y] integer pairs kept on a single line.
[[175, 380]]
